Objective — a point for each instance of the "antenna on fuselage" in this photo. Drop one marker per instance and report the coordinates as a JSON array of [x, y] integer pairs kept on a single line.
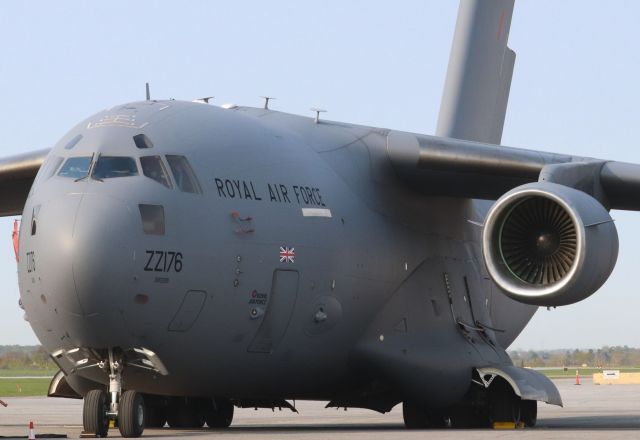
[[204, 100], [266, 101], [148, 92], [318, 111]]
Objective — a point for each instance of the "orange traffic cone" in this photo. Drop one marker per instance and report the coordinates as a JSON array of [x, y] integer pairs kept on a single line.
[[577, 378], [32, 435]]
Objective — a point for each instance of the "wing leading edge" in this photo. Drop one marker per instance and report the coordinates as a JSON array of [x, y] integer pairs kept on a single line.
[[16, 177], [455, 168]]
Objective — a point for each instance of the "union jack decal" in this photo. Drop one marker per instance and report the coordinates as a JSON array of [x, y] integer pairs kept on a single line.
[[287, 254]]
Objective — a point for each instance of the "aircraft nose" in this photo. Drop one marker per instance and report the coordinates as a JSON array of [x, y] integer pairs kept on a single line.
[[78, 267], [103, 254], [49, 271]]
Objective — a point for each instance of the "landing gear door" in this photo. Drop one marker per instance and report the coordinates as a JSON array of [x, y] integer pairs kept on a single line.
[[282, 299]]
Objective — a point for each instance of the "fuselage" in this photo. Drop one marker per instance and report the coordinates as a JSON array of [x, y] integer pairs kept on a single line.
[[251, 250]]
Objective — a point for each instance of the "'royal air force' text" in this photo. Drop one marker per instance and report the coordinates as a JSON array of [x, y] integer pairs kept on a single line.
[[274, 192]]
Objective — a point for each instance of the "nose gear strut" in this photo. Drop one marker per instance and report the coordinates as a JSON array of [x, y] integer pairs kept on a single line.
[[115, 384]]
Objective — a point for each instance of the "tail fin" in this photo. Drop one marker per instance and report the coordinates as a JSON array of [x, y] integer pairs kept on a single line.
[[476, 92]]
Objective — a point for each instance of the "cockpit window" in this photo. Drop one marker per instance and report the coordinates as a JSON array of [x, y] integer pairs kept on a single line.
[[153, 168], [183, 174], [142, 141], [109, 167], [73, 142], [50, 167], [47, 170], [75, 167]]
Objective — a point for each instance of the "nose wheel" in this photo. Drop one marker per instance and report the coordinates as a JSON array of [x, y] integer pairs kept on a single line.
[[127, 408], [130, 417], [131, 414], [94, 413]]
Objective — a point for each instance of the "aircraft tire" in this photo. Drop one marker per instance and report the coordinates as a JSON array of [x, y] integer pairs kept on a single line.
[[529, 410], [94, 413], [505, 405], [131, 414], [222, 416], [416, 417]]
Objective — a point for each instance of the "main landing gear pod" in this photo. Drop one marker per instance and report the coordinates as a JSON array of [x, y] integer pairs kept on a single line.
[[499, 394]]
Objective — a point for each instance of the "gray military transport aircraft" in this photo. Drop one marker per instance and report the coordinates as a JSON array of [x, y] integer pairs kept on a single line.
[[179, 259]]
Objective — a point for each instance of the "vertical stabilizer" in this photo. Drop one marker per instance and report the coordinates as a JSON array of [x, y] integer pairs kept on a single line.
[[478, 80]]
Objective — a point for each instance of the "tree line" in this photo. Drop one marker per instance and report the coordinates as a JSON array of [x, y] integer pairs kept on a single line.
[[605, 357], [34, 357], [21, 357]]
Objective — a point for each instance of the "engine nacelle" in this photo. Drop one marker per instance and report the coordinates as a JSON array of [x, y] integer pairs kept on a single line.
[[549, 245]]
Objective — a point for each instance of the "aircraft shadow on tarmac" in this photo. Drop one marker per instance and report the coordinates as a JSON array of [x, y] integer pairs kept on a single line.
[[605, 423]]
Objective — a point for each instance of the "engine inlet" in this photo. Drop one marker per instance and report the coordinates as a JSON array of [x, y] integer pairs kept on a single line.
[[547, 244], [538, 241]]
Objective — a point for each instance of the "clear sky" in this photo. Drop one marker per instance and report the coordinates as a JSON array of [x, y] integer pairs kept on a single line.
[[380, 63]]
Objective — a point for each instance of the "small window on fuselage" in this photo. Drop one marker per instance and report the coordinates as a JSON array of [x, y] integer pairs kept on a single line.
[[153, 168], [75, 167], [183, 174], [109, 167], [142, 141], [152, 219]]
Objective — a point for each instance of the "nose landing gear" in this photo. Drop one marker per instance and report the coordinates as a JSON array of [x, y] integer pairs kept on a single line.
[[125, 408]]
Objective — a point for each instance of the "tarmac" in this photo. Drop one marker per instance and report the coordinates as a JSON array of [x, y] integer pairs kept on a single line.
[[590, 412]]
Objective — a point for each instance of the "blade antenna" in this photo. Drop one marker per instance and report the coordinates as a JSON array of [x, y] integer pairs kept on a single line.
[[148, 92], [317, 112], [266, 101]]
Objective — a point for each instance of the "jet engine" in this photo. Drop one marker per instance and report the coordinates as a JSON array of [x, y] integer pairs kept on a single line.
[[549, 245]]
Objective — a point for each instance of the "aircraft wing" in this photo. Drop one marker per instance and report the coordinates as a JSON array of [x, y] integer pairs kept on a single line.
[[455, 168], [433, 166], [16, 177]]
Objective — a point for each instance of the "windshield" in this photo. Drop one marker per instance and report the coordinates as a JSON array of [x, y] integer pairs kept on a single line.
[[75, 167], [153, 168], [109, 167], [183, 174]]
